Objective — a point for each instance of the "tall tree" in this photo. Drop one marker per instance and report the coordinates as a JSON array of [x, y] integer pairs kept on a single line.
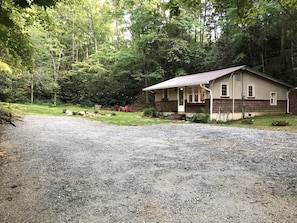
[[14, 40]]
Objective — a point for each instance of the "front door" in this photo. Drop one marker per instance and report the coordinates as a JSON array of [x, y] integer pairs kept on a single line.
[[181, 99]]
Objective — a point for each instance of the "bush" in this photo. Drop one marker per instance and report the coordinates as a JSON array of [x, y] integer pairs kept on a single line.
[[150, 112], [200, 117], [280, 123], [247, 121]]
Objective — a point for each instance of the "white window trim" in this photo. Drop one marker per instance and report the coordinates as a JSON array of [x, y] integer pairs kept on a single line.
[[274, 98], [253, 88], [193, 95], [227, 85]]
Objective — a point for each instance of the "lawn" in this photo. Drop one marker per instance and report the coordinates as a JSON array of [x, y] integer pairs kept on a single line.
[[106, 116], [265, 123], [136, 118]]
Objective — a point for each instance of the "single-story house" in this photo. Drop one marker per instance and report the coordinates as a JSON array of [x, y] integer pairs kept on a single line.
[[231, 93]]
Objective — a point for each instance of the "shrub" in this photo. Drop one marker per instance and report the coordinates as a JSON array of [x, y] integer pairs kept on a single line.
[[200, 117], [247, 121], [280, 123], [150, 112]]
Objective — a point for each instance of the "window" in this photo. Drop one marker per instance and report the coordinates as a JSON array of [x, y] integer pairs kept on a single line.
[[202, 94], [224, 90], [273, 98], [195, 94], [251, 91], [190, 93]]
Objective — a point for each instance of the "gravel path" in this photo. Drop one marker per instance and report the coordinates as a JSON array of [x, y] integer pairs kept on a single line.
[[64, 169]]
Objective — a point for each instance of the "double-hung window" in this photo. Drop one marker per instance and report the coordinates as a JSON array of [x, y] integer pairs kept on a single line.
[[273, 98], [190, 95], [195, 94], [251, 91], [224, 90]]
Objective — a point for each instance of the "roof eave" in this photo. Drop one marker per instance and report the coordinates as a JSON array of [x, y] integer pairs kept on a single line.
[[152, 88]]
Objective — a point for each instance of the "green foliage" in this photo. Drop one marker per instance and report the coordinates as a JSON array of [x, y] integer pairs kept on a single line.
[[25, 4], [4, 67], [200, 117], [110, 50], [14, 20], [150, 112]]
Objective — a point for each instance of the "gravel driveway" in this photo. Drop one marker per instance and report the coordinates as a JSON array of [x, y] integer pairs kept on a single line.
[[65, 169]]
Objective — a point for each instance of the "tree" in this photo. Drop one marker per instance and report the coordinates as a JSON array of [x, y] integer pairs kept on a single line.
[[110, 50], [14, 40]]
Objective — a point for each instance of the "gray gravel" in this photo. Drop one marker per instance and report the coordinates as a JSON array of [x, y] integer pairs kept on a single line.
[[65, 169]]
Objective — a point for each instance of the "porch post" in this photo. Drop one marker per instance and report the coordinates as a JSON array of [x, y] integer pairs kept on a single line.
[[211, 101], [288, 99]]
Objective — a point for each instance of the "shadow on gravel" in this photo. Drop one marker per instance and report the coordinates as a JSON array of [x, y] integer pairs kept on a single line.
[[64, 169]]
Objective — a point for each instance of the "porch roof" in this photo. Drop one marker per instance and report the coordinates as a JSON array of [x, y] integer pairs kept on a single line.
[[193, 79]]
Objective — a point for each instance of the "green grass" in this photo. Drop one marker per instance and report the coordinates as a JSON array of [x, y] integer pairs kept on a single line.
[[135, 118], [106, 116], [265, 123]]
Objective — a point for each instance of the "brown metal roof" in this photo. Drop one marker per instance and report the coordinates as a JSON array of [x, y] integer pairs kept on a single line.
[[193, 79]]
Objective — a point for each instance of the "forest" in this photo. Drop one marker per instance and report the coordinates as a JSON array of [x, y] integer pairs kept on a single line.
[[106, 51]]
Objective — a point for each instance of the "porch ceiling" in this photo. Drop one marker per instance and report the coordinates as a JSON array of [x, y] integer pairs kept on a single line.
[[194, 79]]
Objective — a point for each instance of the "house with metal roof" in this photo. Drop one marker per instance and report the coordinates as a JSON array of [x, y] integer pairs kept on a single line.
[[231, 93]]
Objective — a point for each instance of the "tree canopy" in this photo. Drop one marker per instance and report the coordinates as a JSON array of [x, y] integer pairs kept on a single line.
[[105, 52]]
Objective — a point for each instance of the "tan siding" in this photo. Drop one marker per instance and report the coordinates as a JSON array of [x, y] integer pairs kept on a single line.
[[172, 94], [216, 87], [262, 86], [158, 95]]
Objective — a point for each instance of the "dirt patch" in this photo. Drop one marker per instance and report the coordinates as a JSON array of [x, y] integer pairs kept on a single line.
[[64, 169]]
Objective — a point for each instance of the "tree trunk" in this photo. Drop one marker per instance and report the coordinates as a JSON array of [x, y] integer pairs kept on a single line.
[[146, 92], [73, 47], [56, 67], [145, 71], [92, 28], [32, 88], [54, 77], [263, 63], [87, 52], [282, 43], [292, 58]]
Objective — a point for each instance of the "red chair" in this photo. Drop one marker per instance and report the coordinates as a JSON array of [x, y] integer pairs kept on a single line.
[[117, 108], [126, 108]]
